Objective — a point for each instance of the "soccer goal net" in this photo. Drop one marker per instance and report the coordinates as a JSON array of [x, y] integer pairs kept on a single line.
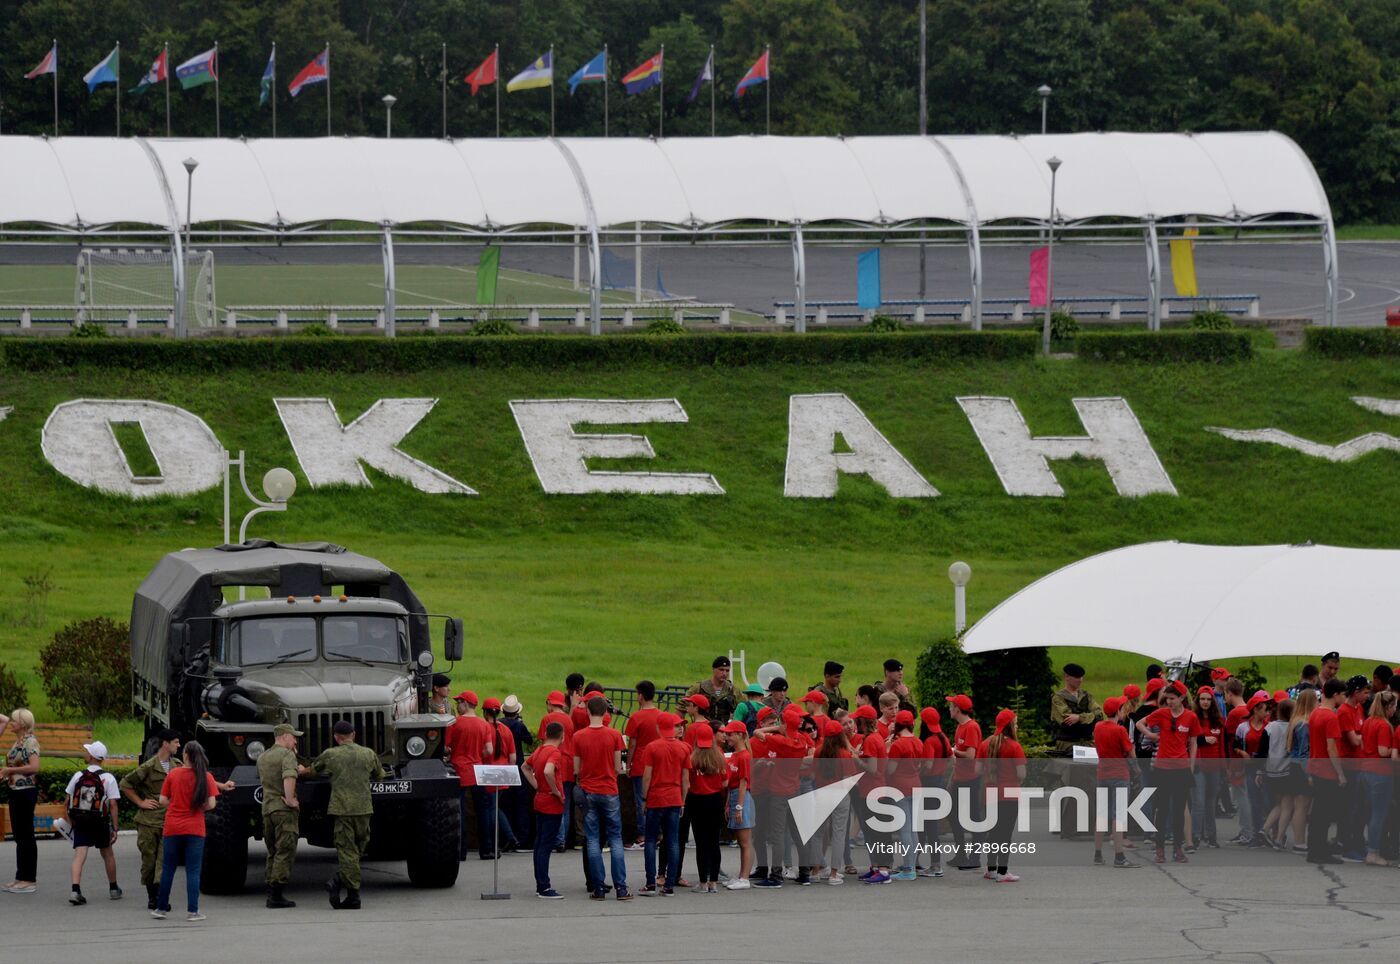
[[114, 281]]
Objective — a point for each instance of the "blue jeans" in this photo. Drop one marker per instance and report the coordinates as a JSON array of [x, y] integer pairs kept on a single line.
[[484, 802], [546, 828], [1113, 785], [641, 806], [663, 823], [602, 814], [567, 819], [1375, 789], [907, 837], [187, 850], [1203, 796]]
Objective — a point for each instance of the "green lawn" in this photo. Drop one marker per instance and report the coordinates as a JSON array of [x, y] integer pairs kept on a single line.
[[1368, 232], [622, 588]]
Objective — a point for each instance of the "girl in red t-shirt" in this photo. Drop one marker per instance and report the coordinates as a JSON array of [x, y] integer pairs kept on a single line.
[[705, 803], [1210, 769], [833, 763], [1377, 760], [1176, 729], [938, 751], [1005, 772], [904, 772], [739, 806], [188, 791]]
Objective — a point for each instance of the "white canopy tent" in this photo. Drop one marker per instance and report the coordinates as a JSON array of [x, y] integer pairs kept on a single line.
[[693, 188], [1174, 600]]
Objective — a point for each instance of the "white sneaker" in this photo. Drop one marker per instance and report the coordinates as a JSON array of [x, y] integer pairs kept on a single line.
[[1007, 878], [738, 883], [196, 916], [158, 914], [991, 875], [835, 880], [64, 828], [789, 873]]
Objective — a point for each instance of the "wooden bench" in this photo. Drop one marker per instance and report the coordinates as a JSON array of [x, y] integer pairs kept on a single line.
[[65, 741]]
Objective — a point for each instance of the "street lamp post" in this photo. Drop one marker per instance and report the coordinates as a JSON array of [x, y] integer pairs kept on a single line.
[[959, 574], [1044, 91], [389, 101], [279, 484], [1054, 165], [181, 269]]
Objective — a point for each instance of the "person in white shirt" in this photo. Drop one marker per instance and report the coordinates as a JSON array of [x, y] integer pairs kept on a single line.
[[94, 827]]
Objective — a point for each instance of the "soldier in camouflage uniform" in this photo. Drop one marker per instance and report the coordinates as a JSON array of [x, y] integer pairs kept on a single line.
[[1073, 713], [142, 787], [351, 767], [278, 771], [719, 690]]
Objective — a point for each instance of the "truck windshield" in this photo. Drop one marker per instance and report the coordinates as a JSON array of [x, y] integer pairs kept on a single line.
[[266, 640], [377, 639]]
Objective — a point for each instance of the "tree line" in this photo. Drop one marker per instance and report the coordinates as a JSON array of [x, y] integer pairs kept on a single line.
[[1325, 72]]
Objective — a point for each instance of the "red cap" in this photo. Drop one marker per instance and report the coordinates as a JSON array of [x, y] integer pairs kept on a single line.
[[930, 717], [793, 711], [962, 702], [833, 728], [468, 696], [864, 713], [594, 691], [1112, 705], [491, 703], [1132, 691], [815, 697], [1280, 695], [555, 698], [1153, 685], [764, 712], [704, 736], [1220, 672], [667, 721], [904, 718], [700, 700], [1004, 719], [1206, 689], [1257, 699], [1261, 693], [734, 726], [1180, 687]]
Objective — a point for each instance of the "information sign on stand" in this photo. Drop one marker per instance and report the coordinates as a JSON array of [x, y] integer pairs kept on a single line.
[[488, 775]]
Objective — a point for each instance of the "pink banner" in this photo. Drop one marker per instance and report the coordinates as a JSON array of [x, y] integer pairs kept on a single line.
[[1037, 282]]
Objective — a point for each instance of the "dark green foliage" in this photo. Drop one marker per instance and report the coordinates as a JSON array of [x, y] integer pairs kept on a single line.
[[1063, 326], [943, 671], [1212, 347], [664, 326], [52, 781], [1252, 677], [1211, 321], [89, 329], [86, 669], [1342, 343], [1018, 679], [316, 330], [492, 326], [13, 693], [885, 323]]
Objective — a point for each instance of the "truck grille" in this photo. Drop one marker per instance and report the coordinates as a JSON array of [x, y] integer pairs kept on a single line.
[[317, 736]]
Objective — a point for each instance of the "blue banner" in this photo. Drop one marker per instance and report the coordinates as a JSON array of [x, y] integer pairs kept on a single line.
[[868, 278]]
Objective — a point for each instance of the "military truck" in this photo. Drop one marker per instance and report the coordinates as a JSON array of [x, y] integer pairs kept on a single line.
[[338, 636]]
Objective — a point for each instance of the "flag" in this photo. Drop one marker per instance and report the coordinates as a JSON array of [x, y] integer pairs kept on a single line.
[[487, 270], [1039, 283], [155, 75], [483, 76], [595, 70], [49, 65], [868, 279], [105, 72], [758, 74], [707, 73], [538, 74], [1184, 265], [200, 69], [268, 77], [316, 72], [645, 77]]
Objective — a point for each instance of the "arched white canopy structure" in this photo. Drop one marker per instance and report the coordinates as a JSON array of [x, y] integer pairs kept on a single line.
[[691, 186], [1174, 600]]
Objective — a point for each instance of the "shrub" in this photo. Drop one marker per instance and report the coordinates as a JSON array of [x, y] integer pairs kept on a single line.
[[89, 329], [664, 326], [492, 326], [86, 669], [52, 781], [13, 693], [1019, 679], [1338, 343], [317, 329], [1211, 321], [1252, 677], [885, 323], [1210, 347], [942, 670], [1063, 326]]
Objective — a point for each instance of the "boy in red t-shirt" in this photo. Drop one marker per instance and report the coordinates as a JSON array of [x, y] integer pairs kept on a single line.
[[544, 771], [640, 731], [556, 701], [597, 763], [966, 788], [904, 770], [1115, 752], [665, 771], [467, 743], [1329, 778]]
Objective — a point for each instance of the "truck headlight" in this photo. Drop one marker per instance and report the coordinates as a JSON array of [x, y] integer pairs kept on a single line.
[[255, 750], [416, 746]]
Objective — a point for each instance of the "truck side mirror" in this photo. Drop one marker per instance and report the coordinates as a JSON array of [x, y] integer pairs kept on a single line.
[[452, 641]]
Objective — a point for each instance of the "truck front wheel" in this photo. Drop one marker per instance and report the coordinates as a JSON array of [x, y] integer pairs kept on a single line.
[[226, 830], [433, 842]]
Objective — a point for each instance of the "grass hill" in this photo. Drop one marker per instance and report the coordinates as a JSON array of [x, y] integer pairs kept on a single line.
[[626, 587]]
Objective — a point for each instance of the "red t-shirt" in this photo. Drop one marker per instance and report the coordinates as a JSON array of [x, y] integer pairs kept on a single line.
[[1113, 746], [566, 749], [465, 745], [1376, 736], [594, 748], [1322, 725], [706, 783], [786, 752], [905, 775], [1252, 736], [640, 730], [181, 819], [829, 770], [502, 749], [938, 749], [1002, 773], [1233, 719], [1349, 721], [739, 767], [1210, 751], [968, 736], [546, 802], [1176, 734], [667, 759], [873, 748]]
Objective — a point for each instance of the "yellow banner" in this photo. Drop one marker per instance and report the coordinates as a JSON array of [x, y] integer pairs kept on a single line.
[[1184, 268]]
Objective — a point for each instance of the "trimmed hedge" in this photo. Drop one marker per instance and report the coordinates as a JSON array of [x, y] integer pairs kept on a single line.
[[53, 780], [1352, 342], [1211, 347], [421, 352]]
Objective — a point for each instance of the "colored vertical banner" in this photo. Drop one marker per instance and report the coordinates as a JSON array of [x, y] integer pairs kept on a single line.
[[868, 279], [1184, 265], [487, 269], [1038, 283]]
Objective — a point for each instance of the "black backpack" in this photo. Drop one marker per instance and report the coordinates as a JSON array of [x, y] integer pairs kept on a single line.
[[88, 806]]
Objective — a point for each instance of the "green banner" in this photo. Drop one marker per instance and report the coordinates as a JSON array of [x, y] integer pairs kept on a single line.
[[486, 271]]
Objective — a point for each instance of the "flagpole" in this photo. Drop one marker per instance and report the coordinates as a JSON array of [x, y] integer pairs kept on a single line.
[[551, 89], [497, 84], [328, 88], [218, 122], [768, 91], [444, 91], [55, 87], [273, 93], [166, 54], [661, 98], [119, 88], [606, 84], [714, 81]]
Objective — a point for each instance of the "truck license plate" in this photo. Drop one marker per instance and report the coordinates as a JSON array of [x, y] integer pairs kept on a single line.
[[392, 786]]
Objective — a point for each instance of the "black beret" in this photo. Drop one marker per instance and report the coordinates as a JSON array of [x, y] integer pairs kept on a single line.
[[441, 680], [1074, 669], [344, 728], [832, 668], [891, 665], [720, 661]]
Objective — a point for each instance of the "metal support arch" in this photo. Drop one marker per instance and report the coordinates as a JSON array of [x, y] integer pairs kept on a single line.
[[799, 279], [595, 252], [177, 246], [1329, 266], [974, 253], [1154, 276], [390, 283]]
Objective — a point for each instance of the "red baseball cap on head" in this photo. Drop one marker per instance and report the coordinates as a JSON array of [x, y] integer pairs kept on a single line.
[[1180, 687], [930, 717], [815, 697], [468, 697], [1132, 691], [1279, 696], [904, 718], [555, 698], [704, 736], [593, 691], [962, 702], [1261, 693], [1004, 719], [491, 703], [833, 728], [1112, 705], [734, 726], [1257, 699], [1220, 672], [764, 713], [1206, 689], [793, 711], [667, 721], [1153, 685], [864, 713], [700, 700]]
